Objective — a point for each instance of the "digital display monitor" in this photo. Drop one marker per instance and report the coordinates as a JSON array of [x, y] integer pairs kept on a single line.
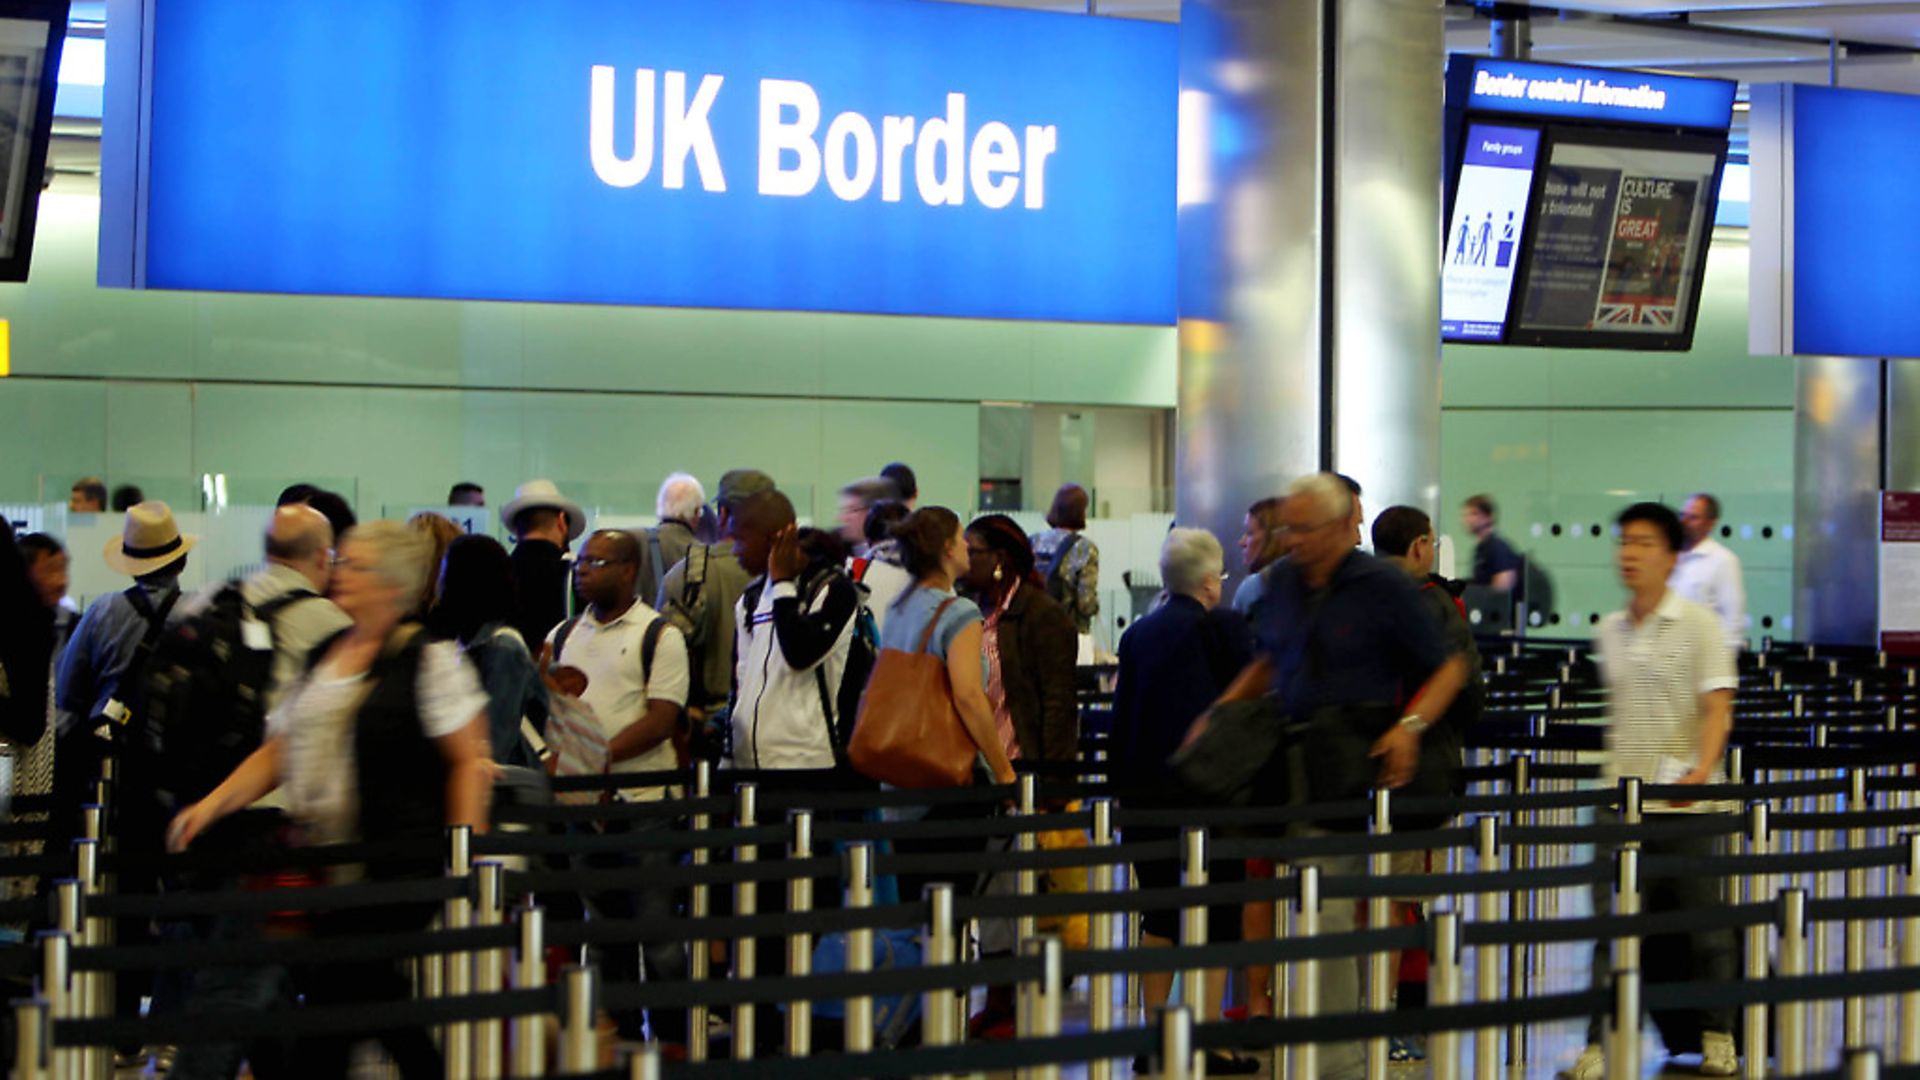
[[1483, 236], [1580, 203], [1619, 242], [31, 32]]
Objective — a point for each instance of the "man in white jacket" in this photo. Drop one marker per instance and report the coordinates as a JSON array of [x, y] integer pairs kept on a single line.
[[793, 630]]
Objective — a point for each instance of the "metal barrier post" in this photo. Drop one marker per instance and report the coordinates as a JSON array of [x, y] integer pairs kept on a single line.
[[1793, 963], [1306, 973], [1853, 1025], [1909, 1041], [942, 948], [746, 901], [93, 990], [1861, 1063], [456, 1039], [30, 1026], [579, 1049], [699, 906], [1100, 936], [1193, 926], [859, 946], [800, 942], [1027, 881], [1444, 989], [1624, 1062], [645, 1063], [1379, 915], [1042, 1018], [56, 986], [1754, 1052], [1626, 901], [1486, 958], [490, 969], [1176, 1043], [74, 995], [530, 973]]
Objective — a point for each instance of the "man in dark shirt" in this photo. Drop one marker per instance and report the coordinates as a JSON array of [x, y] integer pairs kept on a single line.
[[1346, 642], [1495, 563], [543, 523]]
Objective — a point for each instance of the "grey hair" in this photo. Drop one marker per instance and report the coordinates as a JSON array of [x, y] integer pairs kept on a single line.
[[680, 498], [1187, 557], [402, 555], [871, 489], [1327, 491]]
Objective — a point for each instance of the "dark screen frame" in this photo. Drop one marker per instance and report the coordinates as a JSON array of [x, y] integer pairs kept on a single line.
[[1681, 338], [54, 14]]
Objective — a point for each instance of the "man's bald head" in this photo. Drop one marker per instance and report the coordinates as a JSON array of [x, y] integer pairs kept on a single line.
[[297, 533], [768, 511], [300, 537], [759, 519]]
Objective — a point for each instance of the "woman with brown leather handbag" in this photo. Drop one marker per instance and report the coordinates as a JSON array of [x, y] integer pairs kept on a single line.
[[929, 624]]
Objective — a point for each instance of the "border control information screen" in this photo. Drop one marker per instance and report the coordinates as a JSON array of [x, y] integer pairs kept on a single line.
[[1483, 239], [1619, 240]]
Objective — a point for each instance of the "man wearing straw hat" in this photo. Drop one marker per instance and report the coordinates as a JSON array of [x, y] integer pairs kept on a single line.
[[101, 666], [544, 524], [102, 669]]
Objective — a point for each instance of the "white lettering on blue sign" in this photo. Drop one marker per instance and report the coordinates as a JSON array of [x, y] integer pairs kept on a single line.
[[1583, 91], [996, 164], [684, 130]]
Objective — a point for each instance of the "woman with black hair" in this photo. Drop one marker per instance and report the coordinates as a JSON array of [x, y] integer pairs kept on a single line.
[[477, 600], [1029, 643]]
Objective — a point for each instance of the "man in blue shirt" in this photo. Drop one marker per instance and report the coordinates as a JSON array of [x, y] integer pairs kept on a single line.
[[1351, 653], [88, 683]]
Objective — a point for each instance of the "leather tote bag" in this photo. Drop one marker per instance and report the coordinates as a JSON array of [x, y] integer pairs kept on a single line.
[[908, 732]]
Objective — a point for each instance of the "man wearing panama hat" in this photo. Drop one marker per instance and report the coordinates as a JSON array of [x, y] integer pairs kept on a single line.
[[544, 524], [99, 668]]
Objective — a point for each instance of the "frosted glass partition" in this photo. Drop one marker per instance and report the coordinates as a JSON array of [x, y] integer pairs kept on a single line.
[[227, 546]]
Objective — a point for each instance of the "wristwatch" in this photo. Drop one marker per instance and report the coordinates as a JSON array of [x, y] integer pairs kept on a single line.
[[1415, 723]]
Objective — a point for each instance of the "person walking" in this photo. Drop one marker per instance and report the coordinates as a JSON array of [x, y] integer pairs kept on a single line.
[[1670, 680]]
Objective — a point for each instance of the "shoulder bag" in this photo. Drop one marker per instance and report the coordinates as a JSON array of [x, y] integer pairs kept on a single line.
[[908, 732]]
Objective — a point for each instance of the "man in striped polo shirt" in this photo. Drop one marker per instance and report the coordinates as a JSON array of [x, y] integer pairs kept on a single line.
[[1670, 681]]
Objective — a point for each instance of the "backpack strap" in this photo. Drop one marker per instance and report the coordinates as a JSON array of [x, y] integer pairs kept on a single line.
[[156, 627], [659, 558], [560, 639], [649, 645]]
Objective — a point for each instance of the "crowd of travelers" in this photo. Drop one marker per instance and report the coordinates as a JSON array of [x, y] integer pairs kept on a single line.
[[402, 668]]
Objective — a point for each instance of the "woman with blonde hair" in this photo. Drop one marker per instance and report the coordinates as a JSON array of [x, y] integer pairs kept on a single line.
[[382, 741]]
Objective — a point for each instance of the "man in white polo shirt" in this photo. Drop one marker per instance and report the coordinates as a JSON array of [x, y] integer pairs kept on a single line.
[[1670, 682], [1707, 573], [635, 662]]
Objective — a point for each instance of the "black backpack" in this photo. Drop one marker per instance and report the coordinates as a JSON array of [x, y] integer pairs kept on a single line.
[[205, 698], [863, 652]]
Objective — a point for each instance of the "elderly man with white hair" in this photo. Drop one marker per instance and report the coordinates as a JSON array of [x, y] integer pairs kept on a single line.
[[1351, 653], [678, 507], [1173, 663]]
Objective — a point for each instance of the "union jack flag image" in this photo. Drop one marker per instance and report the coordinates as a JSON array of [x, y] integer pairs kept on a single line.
[[1637, 311]]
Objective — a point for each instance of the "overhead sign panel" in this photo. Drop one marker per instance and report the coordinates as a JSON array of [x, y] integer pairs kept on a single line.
[[836, 155], [1836, 216], [1593, 94]]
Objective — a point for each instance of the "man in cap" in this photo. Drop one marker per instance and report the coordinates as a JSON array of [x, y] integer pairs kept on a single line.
[[699, 595], [544, 523]]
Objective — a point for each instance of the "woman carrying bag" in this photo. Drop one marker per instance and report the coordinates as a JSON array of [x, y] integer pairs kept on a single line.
[[928, 619]]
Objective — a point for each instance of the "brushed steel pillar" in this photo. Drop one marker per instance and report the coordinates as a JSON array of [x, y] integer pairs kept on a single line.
[[1309, 243]]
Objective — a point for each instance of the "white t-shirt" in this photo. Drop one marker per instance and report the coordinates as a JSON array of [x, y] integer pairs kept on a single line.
[[315, 723], [617, 692], [1655, 674], [885, 581], [1709, 575]]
